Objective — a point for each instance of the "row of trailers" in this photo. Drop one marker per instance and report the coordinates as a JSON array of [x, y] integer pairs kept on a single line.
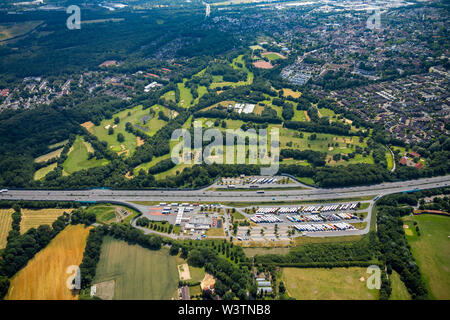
[[323, 227], [265, 218], [320, 218], [308, 209]]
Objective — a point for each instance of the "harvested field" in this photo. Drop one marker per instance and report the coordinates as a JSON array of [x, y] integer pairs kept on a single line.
[[44, 277], [5, 225], [35, 218]]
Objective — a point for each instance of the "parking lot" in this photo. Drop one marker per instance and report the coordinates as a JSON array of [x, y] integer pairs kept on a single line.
[[285, 222]]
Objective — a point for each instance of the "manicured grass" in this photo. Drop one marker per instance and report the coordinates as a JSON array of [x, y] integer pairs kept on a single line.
[[299, 115], [42, 172], [399, 291], [139, 273], [104, 213], [145, 166], [185, 95], [272, 56], [307, 180], [135, 117], [5, 225], [44, 277], [36, 218], [239, 216], [77, 158], [390, 160], [432, 252], [324, 112], [328, 284]]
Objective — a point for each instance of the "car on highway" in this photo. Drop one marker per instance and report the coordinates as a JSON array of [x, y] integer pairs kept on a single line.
[[3, 190]]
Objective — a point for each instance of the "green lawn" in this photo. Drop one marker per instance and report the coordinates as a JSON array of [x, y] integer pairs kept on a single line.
[[399, 291], [135, 117], [77, 158], [328, 284], [104, 213], [185, 95], [432, 251], [139, 273], [272, 56]]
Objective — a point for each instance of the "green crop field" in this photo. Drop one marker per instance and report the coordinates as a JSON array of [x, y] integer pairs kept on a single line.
[[328, 284], [399, 291], [432, 251], [139, 273], [77, 158]]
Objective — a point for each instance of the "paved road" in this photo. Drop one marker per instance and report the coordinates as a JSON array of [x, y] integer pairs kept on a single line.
[[221, 196]]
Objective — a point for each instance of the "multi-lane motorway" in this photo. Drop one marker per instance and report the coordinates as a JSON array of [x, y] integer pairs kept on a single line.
[[204, 195]]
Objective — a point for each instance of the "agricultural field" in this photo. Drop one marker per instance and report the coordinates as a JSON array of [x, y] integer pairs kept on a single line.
[[42, 172], [48, 156], [11, 30], [138, 273], [5, 225], [77, 158], [432, 251], [35, 218], [44, 277], [328, 284], [399, 291]]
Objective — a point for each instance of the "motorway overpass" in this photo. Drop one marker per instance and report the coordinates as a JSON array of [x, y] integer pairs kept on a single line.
[[204, 195]]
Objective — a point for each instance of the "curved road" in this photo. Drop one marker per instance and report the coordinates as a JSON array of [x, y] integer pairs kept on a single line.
[[225, 196]]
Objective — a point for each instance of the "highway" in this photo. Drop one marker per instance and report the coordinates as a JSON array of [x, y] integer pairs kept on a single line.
[[204, 195]]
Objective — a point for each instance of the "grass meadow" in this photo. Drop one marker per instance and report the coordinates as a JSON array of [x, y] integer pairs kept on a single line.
[[139, 273], [432, 251]]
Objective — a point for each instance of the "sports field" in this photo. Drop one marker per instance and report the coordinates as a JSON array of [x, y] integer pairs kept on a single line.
[[5, 225], [35, 218], [432, 252], [44, 277], [77, 158], [328, 284], [139, 273]]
